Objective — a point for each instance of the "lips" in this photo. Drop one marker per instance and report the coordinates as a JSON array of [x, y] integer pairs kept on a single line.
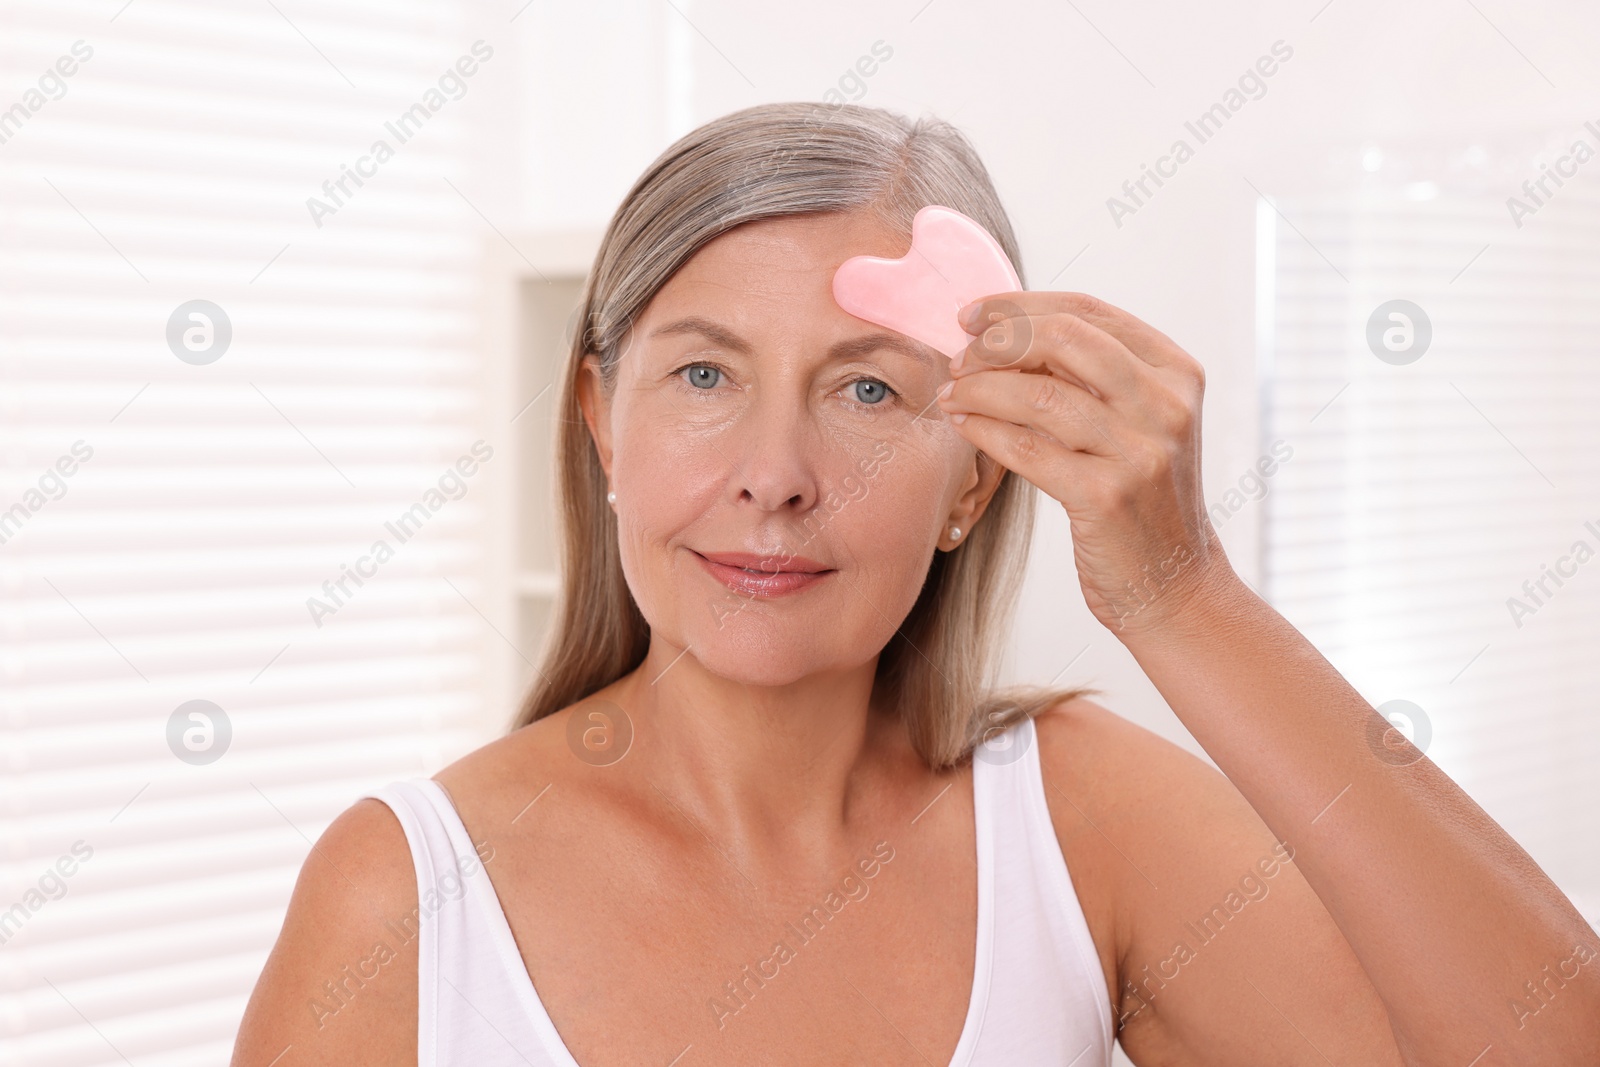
[[755, 575], [766, 564]]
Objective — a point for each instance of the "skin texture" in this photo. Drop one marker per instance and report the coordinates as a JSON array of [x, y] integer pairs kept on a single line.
[[760, 772]]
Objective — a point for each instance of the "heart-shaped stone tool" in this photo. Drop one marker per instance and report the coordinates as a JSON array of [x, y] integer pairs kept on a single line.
[[952, 262]]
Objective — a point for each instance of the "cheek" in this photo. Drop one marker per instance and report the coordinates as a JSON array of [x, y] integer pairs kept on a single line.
[[661, 460], [667, 474], [880, 512]]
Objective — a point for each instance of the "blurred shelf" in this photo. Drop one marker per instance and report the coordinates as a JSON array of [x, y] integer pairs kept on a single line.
[[538, 584], [533, 286]]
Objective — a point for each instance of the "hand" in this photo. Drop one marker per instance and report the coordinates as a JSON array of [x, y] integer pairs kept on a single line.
[[1102, 412]]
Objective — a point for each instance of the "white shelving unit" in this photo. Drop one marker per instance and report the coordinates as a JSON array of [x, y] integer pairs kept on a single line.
[[533, 283]]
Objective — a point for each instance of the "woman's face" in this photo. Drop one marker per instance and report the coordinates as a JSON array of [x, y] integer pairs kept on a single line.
[[753, 415]]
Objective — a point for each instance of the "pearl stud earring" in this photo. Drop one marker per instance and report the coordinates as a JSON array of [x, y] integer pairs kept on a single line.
[[611, 497], [955, 533]]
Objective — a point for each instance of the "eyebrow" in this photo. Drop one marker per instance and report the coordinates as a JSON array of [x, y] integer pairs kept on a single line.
[[850, 348]]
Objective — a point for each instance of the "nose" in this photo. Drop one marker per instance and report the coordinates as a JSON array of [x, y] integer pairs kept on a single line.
[[775, 464]]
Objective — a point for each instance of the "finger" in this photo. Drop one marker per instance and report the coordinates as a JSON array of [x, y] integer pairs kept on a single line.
[[1043, 402], [1062, 344], [1059, 471], [1150, 344], [1110, 437]]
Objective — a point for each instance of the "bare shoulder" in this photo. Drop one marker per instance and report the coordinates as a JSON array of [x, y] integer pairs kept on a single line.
[[1126, 805], [492, 785], [1215, 939], [1137, 817], [340, 984], [1154, 790], [1082, 734]]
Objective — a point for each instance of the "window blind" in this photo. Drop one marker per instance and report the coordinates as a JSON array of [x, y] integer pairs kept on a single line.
[[1422, 494], [171, 515]]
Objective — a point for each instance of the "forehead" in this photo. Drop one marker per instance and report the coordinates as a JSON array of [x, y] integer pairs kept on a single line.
[[795, 255]]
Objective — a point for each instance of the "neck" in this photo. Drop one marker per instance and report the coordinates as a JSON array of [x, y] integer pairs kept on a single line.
[[758, 767]]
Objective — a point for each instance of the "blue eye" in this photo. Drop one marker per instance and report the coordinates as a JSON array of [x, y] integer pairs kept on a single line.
[[697, 371], [869, 392], [876, 391]]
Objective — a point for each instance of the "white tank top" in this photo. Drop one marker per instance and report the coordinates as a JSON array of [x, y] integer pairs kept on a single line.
[[1038, 992]]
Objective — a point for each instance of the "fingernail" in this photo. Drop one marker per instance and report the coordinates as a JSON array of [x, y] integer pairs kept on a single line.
[[959, 417], [968, 315]]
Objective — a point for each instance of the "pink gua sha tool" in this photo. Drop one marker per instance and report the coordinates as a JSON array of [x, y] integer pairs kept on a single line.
[[952, 262]]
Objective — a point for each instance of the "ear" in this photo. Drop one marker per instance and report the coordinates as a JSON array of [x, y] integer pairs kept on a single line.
[[979, 488], [596, 406]]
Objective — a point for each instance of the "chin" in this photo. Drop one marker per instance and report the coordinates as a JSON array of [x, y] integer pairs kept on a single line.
[[759, 651]]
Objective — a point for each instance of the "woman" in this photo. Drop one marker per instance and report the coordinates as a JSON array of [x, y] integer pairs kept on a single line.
[[760, 805]]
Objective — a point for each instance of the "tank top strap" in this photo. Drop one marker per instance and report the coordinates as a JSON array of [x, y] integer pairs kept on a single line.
[[1049, 1003], [446, 917], [475, 1003], [431, 850]]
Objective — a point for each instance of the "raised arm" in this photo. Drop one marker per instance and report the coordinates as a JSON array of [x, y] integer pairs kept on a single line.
[[1476, 956]]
